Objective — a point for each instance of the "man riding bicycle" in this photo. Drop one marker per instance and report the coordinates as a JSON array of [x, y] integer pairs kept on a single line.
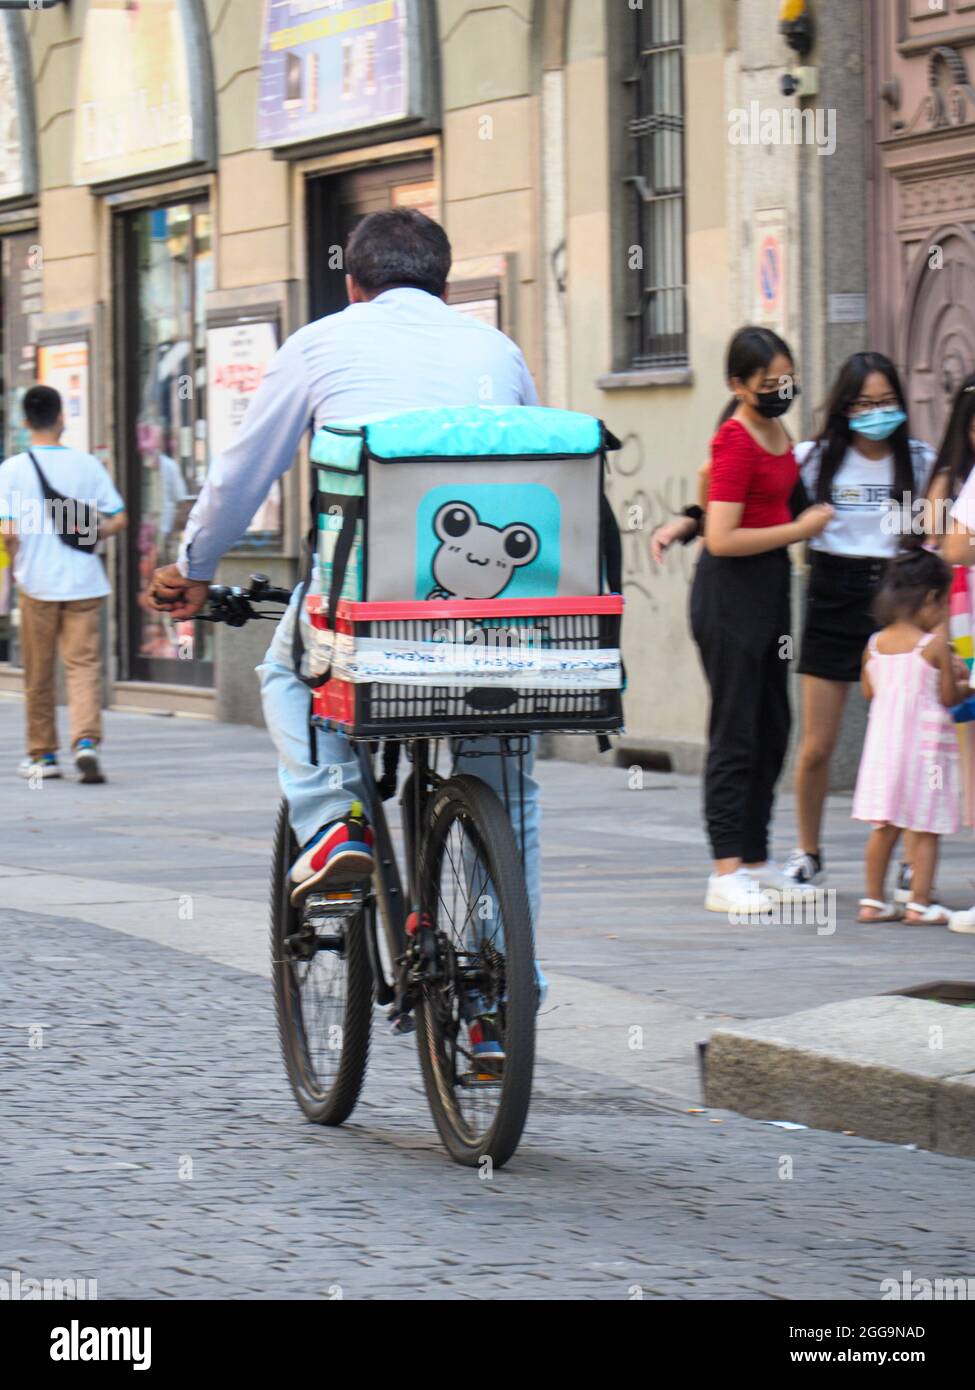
[[398, 346]]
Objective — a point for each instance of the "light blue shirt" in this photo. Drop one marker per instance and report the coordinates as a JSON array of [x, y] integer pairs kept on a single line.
[[403, 349]]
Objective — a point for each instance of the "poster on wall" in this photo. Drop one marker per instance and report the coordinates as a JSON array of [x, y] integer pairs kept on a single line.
[[238, 355], [328, 68], [770, 240], [13, 180], [134, 97], [65, 367], [22, 305]]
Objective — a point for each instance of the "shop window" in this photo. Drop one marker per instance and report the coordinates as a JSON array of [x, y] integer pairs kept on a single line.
[[654, 195], [167, 265]]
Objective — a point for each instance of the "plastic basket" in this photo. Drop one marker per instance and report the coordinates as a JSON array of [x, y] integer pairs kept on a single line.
[[465, 667]]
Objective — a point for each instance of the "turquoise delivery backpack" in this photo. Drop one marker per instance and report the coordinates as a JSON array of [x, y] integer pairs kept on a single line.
[[464, 576], [480, 502]]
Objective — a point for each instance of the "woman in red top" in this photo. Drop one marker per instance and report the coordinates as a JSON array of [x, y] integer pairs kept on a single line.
[[741, 615]]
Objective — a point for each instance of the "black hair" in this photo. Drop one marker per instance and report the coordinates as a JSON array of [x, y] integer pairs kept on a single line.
[[750, 350], [41, 407], [396, 248], [836, 436], [910, 578], [957, 457]]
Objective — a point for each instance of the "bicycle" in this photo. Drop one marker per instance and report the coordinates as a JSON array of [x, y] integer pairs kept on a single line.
[[459, 937]]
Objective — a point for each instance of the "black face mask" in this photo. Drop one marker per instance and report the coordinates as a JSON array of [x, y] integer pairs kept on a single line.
[[772, 405]]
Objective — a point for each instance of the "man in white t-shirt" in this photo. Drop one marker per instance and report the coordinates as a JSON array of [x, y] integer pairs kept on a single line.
[[62, 588]]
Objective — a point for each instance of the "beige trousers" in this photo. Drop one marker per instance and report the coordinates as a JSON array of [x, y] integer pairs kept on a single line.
[[75, 628]]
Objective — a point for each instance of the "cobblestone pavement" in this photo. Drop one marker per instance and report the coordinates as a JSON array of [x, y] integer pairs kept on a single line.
[[150, 1141]]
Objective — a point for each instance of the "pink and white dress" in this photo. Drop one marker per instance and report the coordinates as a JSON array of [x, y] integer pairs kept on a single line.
[[909, 769]]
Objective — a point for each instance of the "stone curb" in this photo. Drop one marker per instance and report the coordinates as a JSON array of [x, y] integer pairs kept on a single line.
[[887, 1067]]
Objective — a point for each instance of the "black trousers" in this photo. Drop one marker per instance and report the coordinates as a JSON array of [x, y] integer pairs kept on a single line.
[[740, 618]]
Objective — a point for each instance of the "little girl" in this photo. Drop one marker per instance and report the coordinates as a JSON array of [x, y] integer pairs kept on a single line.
[[908, 778]]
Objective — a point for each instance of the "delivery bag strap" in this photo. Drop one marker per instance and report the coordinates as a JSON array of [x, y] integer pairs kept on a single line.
[[351, 511], [611, 549]]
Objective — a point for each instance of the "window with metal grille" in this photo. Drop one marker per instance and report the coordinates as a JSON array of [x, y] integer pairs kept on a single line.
[[654, 193]]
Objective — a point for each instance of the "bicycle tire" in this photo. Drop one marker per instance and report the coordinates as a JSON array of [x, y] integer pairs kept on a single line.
[[334, 1103], [471, 801]]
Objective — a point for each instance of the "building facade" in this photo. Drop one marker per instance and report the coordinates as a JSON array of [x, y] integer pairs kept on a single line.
[[180, 177]]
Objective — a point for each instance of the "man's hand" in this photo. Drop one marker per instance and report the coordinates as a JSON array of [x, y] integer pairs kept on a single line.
[[171, 592]]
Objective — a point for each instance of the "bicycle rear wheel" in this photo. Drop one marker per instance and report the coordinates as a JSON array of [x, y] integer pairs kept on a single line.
[[323, 989], [476, 962]]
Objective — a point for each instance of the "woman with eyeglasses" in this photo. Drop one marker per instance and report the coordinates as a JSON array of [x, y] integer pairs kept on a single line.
[[866, 465]]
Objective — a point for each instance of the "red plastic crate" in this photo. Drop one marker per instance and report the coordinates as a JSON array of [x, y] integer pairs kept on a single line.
[[389, 710]]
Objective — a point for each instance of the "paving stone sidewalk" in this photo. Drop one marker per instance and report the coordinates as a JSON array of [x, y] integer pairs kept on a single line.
[[150, 1142]]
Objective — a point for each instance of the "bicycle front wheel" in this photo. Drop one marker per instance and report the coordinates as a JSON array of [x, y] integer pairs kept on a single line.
[[477, 991], [323, 989]]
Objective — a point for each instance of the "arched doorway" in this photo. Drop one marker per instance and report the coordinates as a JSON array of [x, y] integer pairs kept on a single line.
[[939, 327], [922, 75]]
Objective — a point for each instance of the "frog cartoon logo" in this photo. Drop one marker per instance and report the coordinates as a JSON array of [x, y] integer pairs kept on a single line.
[[476, 560]]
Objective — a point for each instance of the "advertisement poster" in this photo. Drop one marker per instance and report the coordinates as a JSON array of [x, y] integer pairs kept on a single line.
[[134, 111], [22, 305], [237, 358], [65, 367], [11, 154], [332, 67]]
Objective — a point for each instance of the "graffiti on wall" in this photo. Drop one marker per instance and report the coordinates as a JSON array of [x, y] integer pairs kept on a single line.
[[641, 505]]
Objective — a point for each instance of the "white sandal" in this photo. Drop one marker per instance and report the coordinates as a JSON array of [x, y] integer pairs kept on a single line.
[[933, 915], [886, 912]]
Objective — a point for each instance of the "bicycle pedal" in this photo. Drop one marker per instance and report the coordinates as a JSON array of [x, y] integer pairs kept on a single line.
[[479, 1080], [334, 904]]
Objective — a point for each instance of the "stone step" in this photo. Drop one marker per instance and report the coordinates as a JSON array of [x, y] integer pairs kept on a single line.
[[883, 1067]]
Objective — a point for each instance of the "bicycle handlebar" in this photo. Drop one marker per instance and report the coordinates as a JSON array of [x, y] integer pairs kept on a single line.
[[233, 605]]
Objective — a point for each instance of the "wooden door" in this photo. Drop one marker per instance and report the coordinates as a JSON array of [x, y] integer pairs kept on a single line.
[[922, 72]]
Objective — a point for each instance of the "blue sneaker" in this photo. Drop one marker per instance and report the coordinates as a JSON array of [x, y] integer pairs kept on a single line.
[[485, 1040], [86, 761]]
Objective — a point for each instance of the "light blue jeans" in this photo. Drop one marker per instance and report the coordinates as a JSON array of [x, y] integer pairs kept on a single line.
[[317, 795]]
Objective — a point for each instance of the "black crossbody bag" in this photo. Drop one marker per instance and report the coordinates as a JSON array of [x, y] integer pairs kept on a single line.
[[85, 515]]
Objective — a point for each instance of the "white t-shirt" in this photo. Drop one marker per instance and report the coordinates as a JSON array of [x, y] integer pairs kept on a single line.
[[46, 568], [964, 509], [861, 498]]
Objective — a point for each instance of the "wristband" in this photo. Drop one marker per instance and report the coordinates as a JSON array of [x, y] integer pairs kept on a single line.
[[695, 514]]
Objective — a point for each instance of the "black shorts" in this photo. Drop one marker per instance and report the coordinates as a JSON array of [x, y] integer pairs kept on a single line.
[[839, 622]]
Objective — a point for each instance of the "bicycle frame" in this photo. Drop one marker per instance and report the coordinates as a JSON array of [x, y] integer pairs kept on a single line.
[[387, 880], [388, 887]]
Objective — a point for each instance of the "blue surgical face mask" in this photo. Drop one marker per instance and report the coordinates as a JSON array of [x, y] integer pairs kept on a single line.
[[878, 424]]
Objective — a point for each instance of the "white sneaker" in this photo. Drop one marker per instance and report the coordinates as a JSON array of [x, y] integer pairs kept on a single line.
[[736, 892], [771, 877], [962, 921], [43, 768], [803, 871]]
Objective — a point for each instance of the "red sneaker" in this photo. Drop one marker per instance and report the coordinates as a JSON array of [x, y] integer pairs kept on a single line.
[[340, 853]]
